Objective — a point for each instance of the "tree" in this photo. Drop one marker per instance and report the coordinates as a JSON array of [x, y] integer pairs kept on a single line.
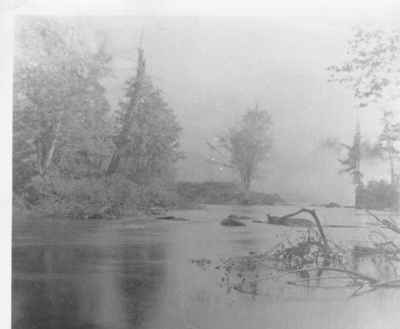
[[152, 143], [64, 135], [247, 145], [372, 73], [372, 70], [59, 102], [388, 141], [351, 164]]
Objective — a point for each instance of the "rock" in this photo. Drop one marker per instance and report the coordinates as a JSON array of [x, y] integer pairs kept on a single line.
[[259, 221], [95, 216], [231, 222], [157, 211], [239, 217], [331, 205], [172, 218]]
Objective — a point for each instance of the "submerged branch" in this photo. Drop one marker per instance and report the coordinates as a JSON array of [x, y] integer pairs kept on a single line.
[[317, 221], [353, 274], [385, 223]]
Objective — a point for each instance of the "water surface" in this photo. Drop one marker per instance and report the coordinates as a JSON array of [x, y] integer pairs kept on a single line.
[[140, 274]]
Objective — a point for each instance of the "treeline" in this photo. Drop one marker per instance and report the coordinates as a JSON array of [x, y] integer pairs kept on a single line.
[[72, 154], [223, 193], [376, 194]]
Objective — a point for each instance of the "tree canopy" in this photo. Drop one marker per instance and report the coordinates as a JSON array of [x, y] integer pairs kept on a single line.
[[68, 143]]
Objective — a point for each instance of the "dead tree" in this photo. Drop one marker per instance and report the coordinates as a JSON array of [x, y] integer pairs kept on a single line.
[[121, 141], [317, 222]]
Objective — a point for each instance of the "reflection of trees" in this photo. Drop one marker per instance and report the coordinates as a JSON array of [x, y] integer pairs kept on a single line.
[[42, 297], [144, 276], [61, 287]]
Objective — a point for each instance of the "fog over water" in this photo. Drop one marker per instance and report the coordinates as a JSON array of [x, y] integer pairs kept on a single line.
[[211, 69], [98, 241]]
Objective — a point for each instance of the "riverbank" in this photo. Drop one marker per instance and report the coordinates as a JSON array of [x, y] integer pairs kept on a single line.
[[149, 201], [223, 193]]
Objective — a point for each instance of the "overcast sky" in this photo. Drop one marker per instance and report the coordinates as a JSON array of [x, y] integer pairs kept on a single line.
[[211, 69]]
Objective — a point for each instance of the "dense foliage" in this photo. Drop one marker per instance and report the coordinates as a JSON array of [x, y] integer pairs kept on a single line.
[[379, 195], [64, 128]]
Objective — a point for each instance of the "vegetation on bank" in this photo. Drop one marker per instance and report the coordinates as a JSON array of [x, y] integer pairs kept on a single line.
[[73, 155], [379, 195], [223, 193]]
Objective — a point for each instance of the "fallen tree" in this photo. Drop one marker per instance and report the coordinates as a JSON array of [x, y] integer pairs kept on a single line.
[[313, 261]]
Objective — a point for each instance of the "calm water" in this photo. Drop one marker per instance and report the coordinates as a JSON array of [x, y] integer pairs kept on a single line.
[[139, 274]]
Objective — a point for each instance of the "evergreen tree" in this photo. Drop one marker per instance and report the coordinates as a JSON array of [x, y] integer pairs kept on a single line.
[[152, 143]]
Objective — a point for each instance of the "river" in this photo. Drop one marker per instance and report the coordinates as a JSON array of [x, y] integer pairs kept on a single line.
[[140, 274]]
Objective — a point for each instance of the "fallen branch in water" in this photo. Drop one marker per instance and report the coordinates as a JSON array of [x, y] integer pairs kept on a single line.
[[317, 221], [316, 262], [373, 287], [386, 223], [353, 274]]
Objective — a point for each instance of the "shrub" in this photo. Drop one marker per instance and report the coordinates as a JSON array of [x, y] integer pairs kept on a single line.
[[86, 197], [377, 195]]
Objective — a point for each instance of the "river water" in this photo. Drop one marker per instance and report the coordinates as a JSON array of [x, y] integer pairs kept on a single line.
[[140, 274]]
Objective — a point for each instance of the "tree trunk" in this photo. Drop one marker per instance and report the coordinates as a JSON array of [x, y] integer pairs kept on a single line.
[[392, 174], [45, 153], [114, 163], [122, 139]]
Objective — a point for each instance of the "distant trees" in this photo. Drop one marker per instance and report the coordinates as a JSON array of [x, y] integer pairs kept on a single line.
[[246, 145], [377, 194], [388, 143]]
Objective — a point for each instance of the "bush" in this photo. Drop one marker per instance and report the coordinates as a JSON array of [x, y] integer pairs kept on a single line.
[[223, 193], [105, 197], [377, 195], [157, 194]]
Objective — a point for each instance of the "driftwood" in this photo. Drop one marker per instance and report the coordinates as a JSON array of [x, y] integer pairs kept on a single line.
[[286, 218], [276, 220], [239, 217], [313, 260], [172, 218], [364, 283], [390, 225]]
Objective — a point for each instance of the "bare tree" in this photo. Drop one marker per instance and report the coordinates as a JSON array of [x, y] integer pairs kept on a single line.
[[245, 146]]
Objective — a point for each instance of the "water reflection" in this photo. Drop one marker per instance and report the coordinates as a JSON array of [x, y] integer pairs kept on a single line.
[[85, 286], [155, 274]]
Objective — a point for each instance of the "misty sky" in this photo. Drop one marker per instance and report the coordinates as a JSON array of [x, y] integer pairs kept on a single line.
[[211, 69]]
